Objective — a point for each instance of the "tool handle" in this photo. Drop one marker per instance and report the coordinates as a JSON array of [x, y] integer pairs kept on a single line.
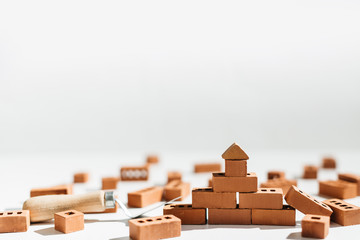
[[43, 208]]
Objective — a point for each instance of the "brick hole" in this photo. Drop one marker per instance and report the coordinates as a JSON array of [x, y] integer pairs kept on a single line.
[[337, 203], [316, 201], [1, 214], [272, 190], [316, 218], [141, 221], [207, 189], [159, 219], [19, 212], [149, 220], [222, 174], [190, 205], [248, 174], [263, 190], [348, 207], [70, 213], [333, 201], [9, 213], [167, 217], [343, 205], [301, 191], [324, 205], [181, 205]]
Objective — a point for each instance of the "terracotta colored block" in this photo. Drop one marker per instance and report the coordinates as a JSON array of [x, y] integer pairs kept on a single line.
[[153, 228], [264, 198], [207, 167], [210, 182], [145, 197], [306, 203], [235, 168], [81, 177], [234, 152], [109, 183], [284, 184], [187, 214], [329, 162], [69, 221], [174, 176], [175, 189], [234, 184], [315, 226], [14, 221], [338, 189], [280, 217], [134, 173], [152, 159], [351, 178], [207, 198], [235, 216], [61, 189], [276, 174], [310, 172], [344, 213]]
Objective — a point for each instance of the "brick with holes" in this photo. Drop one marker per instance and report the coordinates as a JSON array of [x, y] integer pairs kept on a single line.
[[338, 189], [310, 172], [207, 198], [81, 177], [69, 221], [145, 197], [235, 216], [109, 183], [315, 226], [329, 162], [207, 167], [14, 221], [275, 174], [221, 183], [235, 168], [281, 217], [284, 184], [151, 228], [174, 176], [306, 203], [140, 173], [187, 214], [344, 213], [56, 190], [264, 198], [175, 189], [353, 178]]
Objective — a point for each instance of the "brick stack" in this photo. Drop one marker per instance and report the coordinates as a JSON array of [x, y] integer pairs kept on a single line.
[[256, 206]]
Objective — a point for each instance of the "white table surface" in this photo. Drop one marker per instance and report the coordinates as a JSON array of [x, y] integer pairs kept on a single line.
[[20, 173]]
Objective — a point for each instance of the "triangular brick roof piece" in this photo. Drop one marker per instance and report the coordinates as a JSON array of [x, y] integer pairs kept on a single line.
[[234, 152]]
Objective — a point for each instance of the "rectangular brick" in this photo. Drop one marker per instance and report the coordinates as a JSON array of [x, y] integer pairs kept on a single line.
[[56, 190], [315, 226], [152, 159], [81, 177], [264, 198], [329, 162], [306, 203], [351, 178], [276, 174], [207, 198], [234, 184], [207, 167], [338, 189], [344, 213], [153, 228], [14, 221], [145, 197], [140, 173], [284, 184], [187, 214], [175, 189], [280, 217], [235, 216], [174, 176], [310, 172], [109, 183], [69, 221], [235, 168]]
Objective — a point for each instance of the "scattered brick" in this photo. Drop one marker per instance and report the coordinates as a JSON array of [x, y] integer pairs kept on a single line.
[[187, 214], [14, 221], [235, 152], [338, 189], [351, 178], [134, 173], [235, 168], [344, 213], [81, 177], [276, 174], [152, 159], [281, 217], [315, 226], [174, 176], [56, 190], [69, 221], [175, 189], [235, 216], [109, 183], [264, 198], [207, 167], [145, 197], [207, 198], [329, 162], [221, 183], [310, 172]]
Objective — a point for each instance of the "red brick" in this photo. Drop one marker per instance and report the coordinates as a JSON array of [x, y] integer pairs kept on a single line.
[[310, 172], [174, 176], [175, 189], [14, 221], [338, 189], [109, 183], [235, 152], [264, 198], [315, 226], [134, 173], [81, 177], [234, 184], [329, 162], [351, 178], [145, 197], [187, 214], [152, 159], [276, 174], [207, 198], [344, 213], [56, 190], [235, 168], [235, 216], [69, 221], [207, 167], [281, 217]]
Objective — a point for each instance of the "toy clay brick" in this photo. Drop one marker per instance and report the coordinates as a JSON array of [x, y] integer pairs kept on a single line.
[[329, 162], [344, 213], [351, 178], [69, 221], [207, 167], [284, 184], [14, 221], [152, 228], [152, 159], [174, 176], [81, 177], [210, 183], [175, 189], [187, 214], [207, 198], [281, 217], [315, 226], [264, 198], [109, 183], [235, 168], [235, 216], [310, 172], [145, 197], [61, 189], [221, 183], [306, 203], [134, 173], [234, 152], [276, 174], [338, 189]]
